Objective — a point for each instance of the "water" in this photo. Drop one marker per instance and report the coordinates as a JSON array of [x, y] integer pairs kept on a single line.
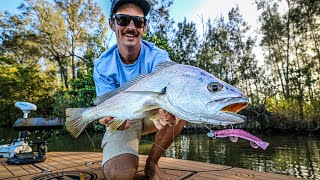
[[297, 156]]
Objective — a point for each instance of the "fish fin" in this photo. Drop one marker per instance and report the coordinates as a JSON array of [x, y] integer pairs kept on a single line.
[[133, 81], [115, 124], [164, 65], [74, 123], [144, 92], [157, 92], [164, 90], [125, 86], [147, 108], [157, 83], [154, 117]]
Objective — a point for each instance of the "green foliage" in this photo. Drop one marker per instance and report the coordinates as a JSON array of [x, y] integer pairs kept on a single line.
[[160, 42], [24, 83], [185, 43], [285, 116], [45, 41], [291, 40], [47, 54], [159, 18], [80, 95], [58, 31]]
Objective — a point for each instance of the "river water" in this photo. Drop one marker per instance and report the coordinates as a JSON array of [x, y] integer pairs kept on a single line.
[[293, 155]]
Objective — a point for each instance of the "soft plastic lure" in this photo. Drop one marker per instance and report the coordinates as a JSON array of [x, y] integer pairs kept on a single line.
[[234, 134]]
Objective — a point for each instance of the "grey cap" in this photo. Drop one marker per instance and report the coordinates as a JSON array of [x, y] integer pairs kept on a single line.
[[143, 4]]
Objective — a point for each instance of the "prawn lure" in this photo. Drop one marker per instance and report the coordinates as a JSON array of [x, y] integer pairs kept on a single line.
[[235, 134]]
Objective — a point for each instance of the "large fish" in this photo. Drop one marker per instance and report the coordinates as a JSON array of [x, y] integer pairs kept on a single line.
[[187, 92]]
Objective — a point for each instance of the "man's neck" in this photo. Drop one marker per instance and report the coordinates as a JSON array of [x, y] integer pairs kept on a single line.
[[129, 55]]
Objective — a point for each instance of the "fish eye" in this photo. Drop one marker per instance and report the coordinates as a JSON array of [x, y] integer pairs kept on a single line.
[[215, 87]]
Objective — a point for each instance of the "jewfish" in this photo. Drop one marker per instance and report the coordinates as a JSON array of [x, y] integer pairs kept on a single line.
[[187, 92]]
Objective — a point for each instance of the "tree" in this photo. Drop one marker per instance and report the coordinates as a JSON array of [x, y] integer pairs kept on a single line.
[[18, 42], [292, 42], [21, 82], [159, 20], [59, 31], [185, 42], [241, 45]]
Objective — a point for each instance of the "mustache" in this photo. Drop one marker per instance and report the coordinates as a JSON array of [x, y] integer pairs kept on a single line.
[[131, 31]]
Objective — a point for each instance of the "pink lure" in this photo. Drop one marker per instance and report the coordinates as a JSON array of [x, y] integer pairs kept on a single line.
[[233, 134]]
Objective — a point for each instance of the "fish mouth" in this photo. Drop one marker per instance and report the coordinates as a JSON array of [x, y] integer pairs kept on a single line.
[[235, 107], [230, 112], [217, 112], [226, 110]]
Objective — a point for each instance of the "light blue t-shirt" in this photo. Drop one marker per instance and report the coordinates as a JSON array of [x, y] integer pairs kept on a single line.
[[110, 73]]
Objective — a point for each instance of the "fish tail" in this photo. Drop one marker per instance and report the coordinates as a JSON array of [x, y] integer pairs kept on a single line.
[[264, 145], [74, 122]]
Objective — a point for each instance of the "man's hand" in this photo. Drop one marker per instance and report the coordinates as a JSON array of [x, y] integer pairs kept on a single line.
[[123, 126], [165, 119]]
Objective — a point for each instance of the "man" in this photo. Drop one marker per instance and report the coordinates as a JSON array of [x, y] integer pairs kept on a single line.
[[122, 62]]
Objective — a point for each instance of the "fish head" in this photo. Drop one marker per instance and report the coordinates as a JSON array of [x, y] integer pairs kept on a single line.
[[200, 97]]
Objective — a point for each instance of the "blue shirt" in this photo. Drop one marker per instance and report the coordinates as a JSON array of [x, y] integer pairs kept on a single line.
[[110, 72]]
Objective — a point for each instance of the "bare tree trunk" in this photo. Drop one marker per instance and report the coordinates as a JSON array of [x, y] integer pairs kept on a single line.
[[288, 56]]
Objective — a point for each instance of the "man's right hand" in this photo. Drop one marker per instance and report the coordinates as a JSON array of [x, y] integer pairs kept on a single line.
[[165, 119], [125, 125]]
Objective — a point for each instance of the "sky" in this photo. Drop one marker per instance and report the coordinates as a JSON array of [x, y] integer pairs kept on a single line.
[[194, 10], [191, 9]]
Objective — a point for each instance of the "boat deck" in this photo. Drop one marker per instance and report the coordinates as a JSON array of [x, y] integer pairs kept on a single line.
[[87, 165]]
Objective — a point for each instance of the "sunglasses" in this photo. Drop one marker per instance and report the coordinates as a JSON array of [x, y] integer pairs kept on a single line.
[[124, 20]]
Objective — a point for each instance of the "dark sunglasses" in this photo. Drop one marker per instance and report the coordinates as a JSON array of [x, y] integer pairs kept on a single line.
[[124, 20]]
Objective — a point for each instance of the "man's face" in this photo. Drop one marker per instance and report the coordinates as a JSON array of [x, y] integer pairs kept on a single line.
[[128, 36]]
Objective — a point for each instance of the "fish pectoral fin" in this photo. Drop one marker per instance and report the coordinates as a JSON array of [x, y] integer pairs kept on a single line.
[[115, 124], [147, 108], [154, 117]]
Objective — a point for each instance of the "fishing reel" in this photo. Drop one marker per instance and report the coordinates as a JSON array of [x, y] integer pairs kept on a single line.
[[20, 151]]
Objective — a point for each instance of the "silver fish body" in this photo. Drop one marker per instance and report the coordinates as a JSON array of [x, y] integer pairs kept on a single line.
[[185, 91]]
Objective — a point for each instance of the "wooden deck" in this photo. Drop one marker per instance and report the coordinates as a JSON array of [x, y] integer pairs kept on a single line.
[[73, 165]]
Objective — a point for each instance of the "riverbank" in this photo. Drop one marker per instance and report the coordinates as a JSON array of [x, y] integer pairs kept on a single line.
[[198, 128]]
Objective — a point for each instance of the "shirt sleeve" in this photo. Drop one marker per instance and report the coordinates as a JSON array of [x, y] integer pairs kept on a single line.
[[163, 57], [103, 84]]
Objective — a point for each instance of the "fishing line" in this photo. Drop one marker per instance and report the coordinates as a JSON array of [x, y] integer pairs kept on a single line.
[[159, 145], [210, 134], [173, 133], [212, 130], [207, 127], [155, 144], [94, 149]]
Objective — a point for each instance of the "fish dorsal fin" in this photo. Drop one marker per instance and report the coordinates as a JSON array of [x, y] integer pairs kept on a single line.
[[125, 86], [164, 65], [155, 83]]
